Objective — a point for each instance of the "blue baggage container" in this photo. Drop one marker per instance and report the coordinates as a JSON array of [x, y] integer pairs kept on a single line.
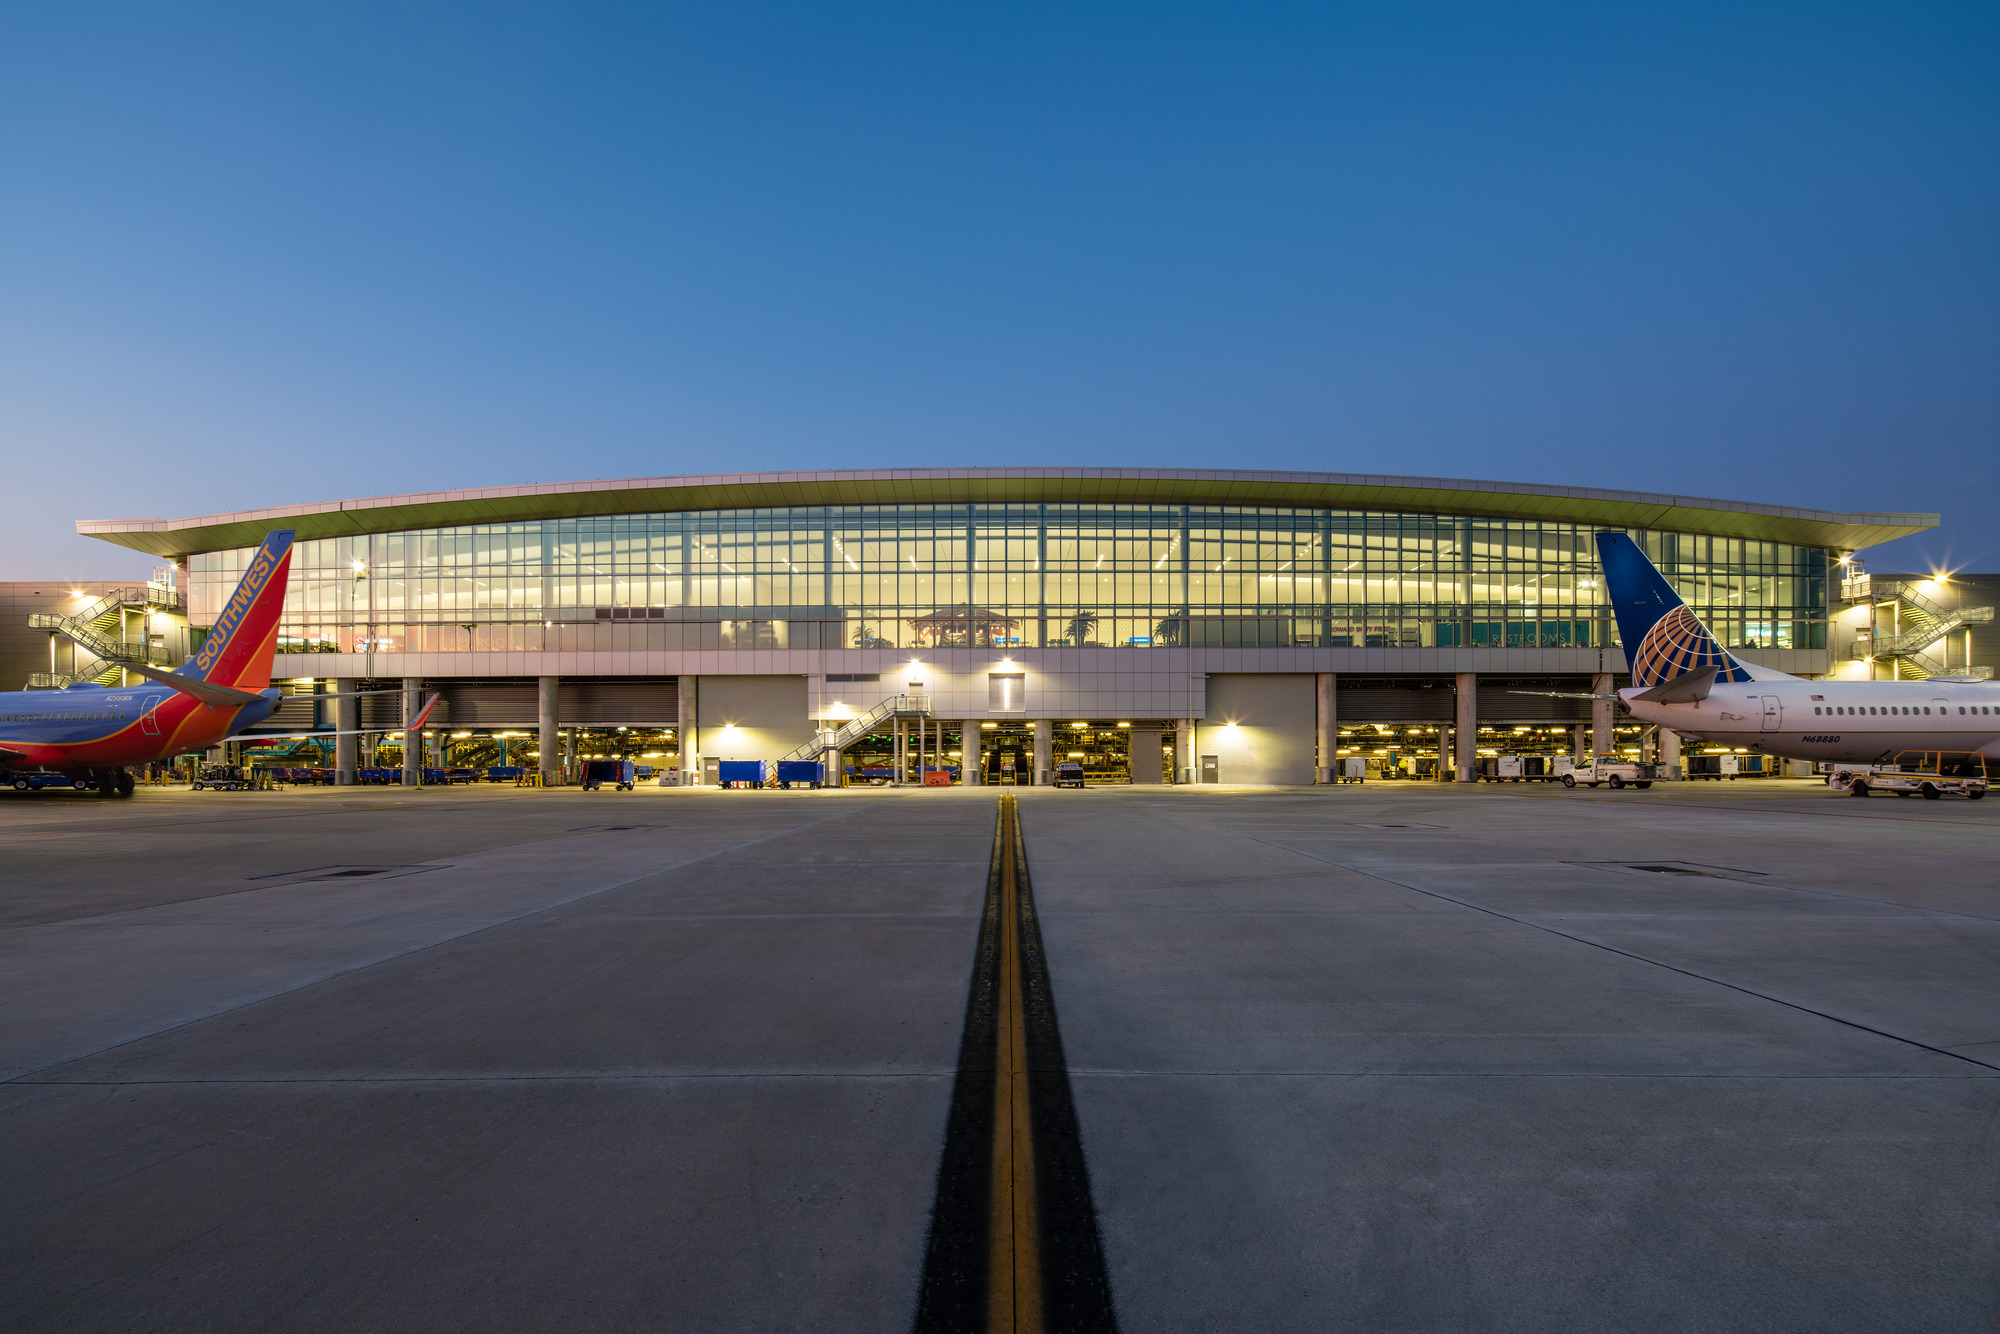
[[742, 771], [504, 773], [618, 773], [801, 771]]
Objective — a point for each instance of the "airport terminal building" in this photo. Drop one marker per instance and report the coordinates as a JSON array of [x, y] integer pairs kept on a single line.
[[1154, 625]]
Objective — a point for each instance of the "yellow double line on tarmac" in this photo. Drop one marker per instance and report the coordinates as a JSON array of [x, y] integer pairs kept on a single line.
[[1014, 1268], [1014, 1245]]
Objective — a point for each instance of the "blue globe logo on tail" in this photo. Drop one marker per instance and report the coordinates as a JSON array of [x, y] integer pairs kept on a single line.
[[1678, 644], [1663, 638]]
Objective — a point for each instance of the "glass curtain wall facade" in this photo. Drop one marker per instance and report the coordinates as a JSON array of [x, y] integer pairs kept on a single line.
[[1002, 576]]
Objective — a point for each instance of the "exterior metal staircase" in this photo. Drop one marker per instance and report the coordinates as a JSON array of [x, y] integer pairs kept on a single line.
[[91, 629], [896, 706], [1921, 625]]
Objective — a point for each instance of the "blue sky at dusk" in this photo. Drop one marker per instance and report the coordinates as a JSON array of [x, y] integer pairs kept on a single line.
[[264, 254]]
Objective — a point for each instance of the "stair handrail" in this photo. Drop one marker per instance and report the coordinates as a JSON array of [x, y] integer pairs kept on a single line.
[[856, 728]]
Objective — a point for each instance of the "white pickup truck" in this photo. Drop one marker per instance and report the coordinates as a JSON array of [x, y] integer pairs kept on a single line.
[[1608, 769]]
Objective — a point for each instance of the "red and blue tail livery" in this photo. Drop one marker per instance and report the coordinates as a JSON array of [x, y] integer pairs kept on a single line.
[[96, 731]]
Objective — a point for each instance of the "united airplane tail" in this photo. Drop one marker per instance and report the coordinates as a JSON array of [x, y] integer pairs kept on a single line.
[[238, 651], [1664, 639]]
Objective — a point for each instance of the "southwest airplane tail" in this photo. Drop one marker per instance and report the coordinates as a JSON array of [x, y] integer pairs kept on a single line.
[[94, 731], [239, 648]]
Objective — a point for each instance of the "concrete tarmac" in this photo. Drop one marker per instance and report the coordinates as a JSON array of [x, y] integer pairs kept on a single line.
[[1392, 1057]]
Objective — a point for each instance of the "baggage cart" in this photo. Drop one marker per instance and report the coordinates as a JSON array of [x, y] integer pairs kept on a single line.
[[618, 773]]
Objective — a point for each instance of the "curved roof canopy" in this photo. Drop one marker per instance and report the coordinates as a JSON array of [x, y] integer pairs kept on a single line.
[[943, 486]]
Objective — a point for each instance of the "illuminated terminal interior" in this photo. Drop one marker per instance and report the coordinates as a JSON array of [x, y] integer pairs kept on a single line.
[[1142, 625]]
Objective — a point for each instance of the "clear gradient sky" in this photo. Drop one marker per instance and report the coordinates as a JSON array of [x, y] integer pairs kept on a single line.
[[258, 254]]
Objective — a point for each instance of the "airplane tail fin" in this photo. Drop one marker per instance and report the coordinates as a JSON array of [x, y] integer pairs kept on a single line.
[[1664, 639], [240, 645]]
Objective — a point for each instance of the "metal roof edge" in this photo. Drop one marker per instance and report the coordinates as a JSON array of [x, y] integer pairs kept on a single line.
[[695, 493]]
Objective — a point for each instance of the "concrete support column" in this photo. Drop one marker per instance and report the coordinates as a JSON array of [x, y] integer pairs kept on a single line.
[[548, 758], [347, 722], [1670, 753], [972, 753], [1600, 715], [1044, 734], [1184, 760], [1577, 750], [413, 743], [1444, 754], [1468, 727], [1328, 732], [689, 732]]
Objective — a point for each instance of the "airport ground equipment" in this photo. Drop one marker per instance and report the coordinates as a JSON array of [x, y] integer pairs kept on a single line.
[[1928, 774], [504, 773], [223, 778], [1521, 768], [1731, 767], [1610, 770], [35, 782], [618, 773], [754, 773], [810, 772]]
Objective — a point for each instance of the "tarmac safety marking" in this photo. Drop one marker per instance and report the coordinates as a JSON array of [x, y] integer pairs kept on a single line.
[[1013, 1244]]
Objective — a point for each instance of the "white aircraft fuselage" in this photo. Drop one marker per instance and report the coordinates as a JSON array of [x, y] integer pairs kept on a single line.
[[1854, 722]]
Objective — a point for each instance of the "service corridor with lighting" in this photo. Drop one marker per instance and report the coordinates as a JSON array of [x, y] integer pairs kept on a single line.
[[1152, 625]]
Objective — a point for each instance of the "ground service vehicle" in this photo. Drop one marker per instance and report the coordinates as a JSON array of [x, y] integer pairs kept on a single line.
[[1069, 774], [1929, 775], [1520, 768], [618, 773], [1611, 770], [37, 781]]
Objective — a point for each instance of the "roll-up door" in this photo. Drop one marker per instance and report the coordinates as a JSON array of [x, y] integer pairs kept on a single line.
[[490, 704], [615, 702], [606, 702], [385, 711], [1499, 704], [1394, 704]]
